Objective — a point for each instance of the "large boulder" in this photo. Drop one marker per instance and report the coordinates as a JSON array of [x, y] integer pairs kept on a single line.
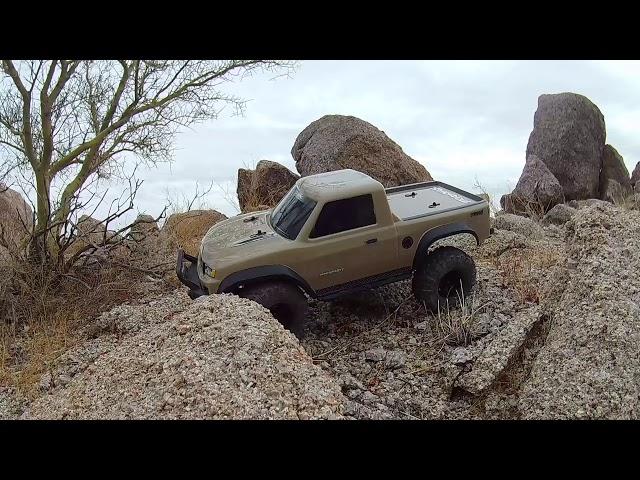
[[536, 192], [614, 192], [588, 366], [92, 231], [16, 218], [264, 186], [635, 176], [334, 142], [569, 136], [92, 240], [185, 230], [615, 184]]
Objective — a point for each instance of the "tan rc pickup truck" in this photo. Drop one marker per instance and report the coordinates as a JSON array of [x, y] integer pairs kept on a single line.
[[337, 233]]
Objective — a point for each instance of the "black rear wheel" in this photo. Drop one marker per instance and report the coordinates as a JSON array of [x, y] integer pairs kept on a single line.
[[284, 300], [444, 278]]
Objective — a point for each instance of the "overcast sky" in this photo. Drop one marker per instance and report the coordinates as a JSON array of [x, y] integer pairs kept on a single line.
[[461, 119]]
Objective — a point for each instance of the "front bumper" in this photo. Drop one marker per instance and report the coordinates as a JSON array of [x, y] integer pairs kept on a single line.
[[188, 274]]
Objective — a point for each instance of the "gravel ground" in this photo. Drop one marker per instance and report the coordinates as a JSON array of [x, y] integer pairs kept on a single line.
[[394, 360], [10, 406], [376, 355], [382, 355], [219, 357]]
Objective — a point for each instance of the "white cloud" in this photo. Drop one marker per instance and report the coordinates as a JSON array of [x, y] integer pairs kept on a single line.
[[462, 119]]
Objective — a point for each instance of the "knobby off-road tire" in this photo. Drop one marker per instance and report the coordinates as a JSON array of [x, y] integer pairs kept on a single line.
[[284, 300], [445, 276]]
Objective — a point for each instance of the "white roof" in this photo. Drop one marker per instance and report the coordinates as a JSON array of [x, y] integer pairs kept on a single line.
[[337, 184]]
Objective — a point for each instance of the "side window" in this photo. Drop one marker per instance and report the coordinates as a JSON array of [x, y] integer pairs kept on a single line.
[[343, 215]]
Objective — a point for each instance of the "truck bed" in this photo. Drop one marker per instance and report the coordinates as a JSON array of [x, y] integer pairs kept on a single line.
[[408, 202]]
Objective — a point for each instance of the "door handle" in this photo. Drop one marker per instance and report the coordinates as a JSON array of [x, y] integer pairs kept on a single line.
[[371, 240]]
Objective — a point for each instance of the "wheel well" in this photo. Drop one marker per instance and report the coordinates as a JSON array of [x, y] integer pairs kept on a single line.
[[431, 238], [239, 285], [265, 273], [457, 239]]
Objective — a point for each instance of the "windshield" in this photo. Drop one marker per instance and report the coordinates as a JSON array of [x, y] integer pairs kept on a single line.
[[291, 214]]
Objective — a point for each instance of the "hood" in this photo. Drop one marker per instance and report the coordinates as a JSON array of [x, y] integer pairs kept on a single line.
[[238, 238]]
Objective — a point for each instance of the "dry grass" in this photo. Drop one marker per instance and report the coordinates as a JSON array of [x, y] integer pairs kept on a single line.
[[456, 325], [627, 202], [519, 205], [42, 312], [258, 189], [522, 206], [523, 269], [26, 355], [185, 230], [493, 206], [254, 199], [535, 210]]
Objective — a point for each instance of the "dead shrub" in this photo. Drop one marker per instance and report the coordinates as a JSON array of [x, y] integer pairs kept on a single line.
[[455, 325], [534, 209], [627, 202], [253, 200], [42, 312], [493, 207], [523, 270], [186, 230]]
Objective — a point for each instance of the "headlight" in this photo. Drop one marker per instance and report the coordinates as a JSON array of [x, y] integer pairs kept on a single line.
[[209, 271]]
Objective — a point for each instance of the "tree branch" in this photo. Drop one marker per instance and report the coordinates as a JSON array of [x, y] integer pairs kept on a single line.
[[26, 133]]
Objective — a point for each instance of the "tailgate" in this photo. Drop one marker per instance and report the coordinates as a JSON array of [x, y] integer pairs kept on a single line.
[[429, 198]]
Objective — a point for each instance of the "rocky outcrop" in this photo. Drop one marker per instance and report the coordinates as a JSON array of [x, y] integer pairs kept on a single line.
[[144, 226], [221, 357], [92, 241], [585, 203], [559, 215], [16, 218], [635, 175], [518, 224], [155, 250], [264, 186], [569, 136], [536, 192], [334, 142], [589, 364], [495, 357], [615, 184], [92, 231], [614, 192], [185, 230], [544, 336]]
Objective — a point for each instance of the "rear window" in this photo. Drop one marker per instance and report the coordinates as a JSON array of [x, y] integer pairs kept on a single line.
[[343, 215]]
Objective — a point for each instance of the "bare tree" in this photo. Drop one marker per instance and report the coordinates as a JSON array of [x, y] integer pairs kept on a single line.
[[66, 123], [186, 201]]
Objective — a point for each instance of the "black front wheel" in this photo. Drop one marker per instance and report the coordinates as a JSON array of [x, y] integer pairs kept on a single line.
[[284, 300], [444, 278]]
